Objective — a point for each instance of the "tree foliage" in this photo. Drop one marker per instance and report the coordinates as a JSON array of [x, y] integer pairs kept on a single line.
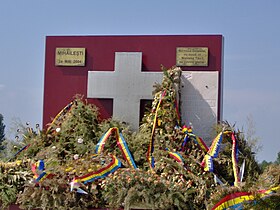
[[2, 132], [277, 161]]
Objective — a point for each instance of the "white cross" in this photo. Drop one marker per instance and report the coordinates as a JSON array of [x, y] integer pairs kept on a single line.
[[127, 85]]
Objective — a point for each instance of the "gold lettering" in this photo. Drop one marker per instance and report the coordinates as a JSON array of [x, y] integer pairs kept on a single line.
[[70, 57]]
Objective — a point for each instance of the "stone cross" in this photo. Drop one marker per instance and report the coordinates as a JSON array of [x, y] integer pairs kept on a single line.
[[127, 85]]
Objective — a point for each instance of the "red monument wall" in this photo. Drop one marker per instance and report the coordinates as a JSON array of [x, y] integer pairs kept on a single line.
[[62, 83]]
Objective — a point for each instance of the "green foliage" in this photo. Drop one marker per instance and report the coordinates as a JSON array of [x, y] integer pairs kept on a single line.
[[269, 179], [12, 179], [223, 163], [264, 164], [54, 194], [128, 188], [277, 161], [68, 145], [2, 132]]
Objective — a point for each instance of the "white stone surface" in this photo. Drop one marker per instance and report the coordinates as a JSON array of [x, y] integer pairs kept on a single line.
[[126, 85], [199, 101]]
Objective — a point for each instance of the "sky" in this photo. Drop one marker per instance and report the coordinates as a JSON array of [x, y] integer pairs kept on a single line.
[[251, 31]]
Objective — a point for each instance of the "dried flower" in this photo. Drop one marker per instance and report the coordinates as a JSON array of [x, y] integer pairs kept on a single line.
[[80, 140], [76, 156]]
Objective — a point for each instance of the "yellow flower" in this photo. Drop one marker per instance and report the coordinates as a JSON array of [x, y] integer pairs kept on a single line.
[[18, 162], [68, 169]]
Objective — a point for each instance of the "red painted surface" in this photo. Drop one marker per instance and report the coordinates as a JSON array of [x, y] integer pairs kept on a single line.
[[62, 83]]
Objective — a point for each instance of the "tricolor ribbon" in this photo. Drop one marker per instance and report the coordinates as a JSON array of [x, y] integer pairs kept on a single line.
[[176, 156], [236, 200], [150, 151], [186, 139], [185, 130], [120, 142], [208, 163], [101, 173], [40, 168], [62, 112], [212, 153], [200, 143], [42, 176], [215, 147], [234, 160], [197, 140]]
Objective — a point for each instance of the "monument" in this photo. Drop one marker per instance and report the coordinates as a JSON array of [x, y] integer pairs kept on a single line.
[[117, 73]]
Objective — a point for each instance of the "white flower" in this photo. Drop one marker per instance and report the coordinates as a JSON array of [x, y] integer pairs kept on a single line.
[[76, 157], [80, 140], [57, 129], [53, 147]]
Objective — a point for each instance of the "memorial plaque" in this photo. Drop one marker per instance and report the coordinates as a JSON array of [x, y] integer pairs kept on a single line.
[[192, 56], [70, 56]]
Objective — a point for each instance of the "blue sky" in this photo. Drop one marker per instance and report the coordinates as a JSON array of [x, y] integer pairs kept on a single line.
[[251, 50]]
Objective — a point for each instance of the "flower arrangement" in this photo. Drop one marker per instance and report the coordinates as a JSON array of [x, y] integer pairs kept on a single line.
[[81, 162]]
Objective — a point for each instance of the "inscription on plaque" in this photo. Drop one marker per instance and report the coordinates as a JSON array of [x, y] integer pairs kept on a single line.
[[192, 56], [70, 56]]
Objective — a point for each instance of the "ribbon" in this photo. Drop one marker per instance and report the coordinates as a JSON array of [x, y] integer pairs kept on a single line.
[[150, 151], [125, 150], [62, 112], [217, 180], [189, 135], [40, 167], [200, 143], [42, 176], [236, 200], [101, 173], [241, 172], [208, 163], [22, 149], [234, 160], [212, 153], [186, 139], [215, 147], [76, 185], [33, 169], [176, 156], [186, 129], [120, 142]]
